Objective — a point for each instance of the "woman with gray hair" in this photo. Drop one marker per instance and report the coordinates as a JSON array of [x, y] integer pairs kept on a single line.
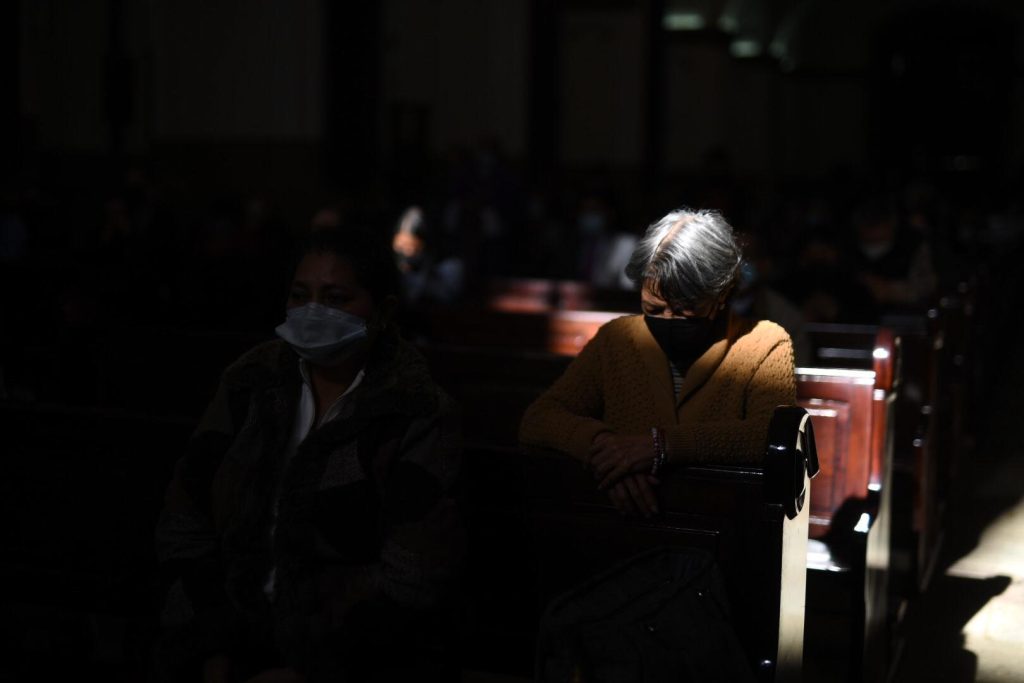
[[685, 382]]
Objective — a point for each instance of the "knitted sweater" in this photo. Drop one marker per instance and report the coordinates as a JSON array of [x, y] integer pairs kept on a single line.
[[621, 382]]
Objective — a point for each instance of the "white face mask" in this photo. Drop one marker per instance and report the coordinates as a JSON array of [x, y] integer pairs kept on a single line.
[[321, 334]]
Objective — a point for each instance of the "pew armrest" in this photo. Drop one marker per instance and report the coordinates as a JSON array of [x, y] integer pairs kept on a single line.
[[790, 455]]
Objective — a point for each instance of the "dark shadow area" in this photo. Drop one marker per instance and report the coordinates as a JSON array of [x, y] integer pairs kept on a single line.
[[989, 484], [934, 649]]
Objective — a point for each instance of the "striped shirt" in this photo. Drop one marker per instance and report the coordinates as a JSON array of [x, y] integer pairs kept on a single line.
[[677, 379]]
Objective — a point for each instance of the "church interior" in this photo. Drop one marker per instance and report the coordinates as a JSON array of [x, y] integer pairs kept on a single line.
[[160, 160]]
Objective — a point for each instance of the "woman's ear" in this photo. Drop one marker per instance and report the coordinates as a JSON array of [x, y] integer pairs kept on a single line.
[[723, 301]]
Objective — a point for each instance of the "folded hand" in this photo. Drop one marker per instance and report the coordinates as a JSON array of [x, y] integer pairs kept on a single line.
[[613, 456], [635, 495]]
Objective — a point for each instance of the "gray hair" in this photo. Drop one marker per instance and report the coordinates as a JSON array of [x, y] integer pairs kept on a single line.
[[689, 257]]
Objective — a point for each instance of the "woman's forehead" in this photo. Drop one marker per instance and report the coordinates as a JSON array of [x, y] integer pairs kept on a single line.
[[651, 292], [654, 291], [325, 269]]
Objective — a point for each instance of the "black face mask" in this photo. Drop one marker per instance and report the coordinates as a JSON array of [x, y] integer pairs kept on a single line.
[[682, 339]]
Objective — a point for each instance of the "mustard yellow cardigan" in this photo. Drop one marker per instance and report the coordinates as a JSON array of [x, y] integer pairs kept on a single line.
[[621, 382]]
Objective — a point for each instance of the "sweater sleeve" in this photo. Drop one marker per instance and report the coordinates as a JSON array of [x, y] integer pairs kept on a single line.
[[740, 439], [567, 416]]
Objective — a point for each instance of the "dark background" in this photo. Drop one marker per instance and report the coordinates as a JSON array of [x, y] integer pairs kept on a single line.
[[159, 158]]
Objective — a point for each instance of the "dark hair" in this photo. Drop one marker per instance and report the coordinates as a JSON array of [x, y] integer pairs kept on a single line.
[[370, 256]]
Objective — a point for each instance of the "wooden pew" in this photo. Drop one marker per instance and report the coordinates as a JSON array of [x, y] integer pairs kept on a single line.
[[541, 296], [554, 331], [852, 507], [954, 321], [916, 470], [848, 565], [752, 519], [855, 408], [502, 574], [877, 444], [917, 527]]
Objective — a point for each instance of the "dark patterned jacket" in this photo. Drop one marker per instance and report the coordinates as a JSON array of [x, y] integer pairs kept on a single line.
[[365, 540]]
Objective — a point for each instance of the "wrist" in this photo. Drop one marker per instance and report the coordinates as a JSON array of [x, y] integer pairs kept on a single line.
[[660, 450]]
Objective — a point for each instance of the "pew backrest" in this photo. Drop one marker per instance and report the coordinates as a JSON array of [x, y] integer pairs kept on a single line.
[[853, 413], [559, 332], [541, 296]]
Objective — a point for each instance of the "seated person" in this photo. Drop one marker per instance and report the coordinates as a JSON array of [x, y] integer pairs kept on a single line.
[[309, 532], [682, 383], [755, 298], [427, 277], [890, 261]]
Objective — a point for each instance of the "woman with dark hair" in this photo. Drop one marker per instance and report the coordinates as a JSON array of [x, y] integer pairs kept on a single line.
[[684, 382], [310, 532]]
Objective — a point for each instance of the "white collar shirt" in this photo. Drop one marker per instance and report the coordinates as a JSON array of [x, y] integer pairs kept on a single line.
[[305, 416]]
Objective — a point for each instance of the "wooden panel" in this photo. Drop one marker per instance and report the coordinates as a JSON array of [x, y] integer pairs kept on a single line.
[[842, 346], [832, 435], [546, 296], [846, 457]]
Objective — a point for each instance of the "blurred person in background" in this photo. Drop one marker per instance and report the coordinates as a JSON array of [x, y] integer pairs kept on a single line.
[[428, 276], [891, 261], [756, 298], [602, 251]]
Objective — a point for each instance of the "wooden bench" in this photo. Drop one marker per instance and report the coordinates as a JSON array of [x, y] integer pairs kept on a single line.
[[851, 503], [752, 520], [554, 331], [495, 386], [916, 517], [852, 409], [851, 507], [952, 322], [542, 296]]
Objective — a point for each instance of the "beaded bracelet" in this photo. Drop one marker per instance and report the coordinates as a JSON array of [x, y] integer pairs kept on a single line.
[[659, 449]]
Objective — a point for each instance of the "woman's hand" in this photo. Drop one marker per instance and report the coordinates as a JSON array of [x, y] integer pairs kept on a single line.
[[613, 456], [634, 495]]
